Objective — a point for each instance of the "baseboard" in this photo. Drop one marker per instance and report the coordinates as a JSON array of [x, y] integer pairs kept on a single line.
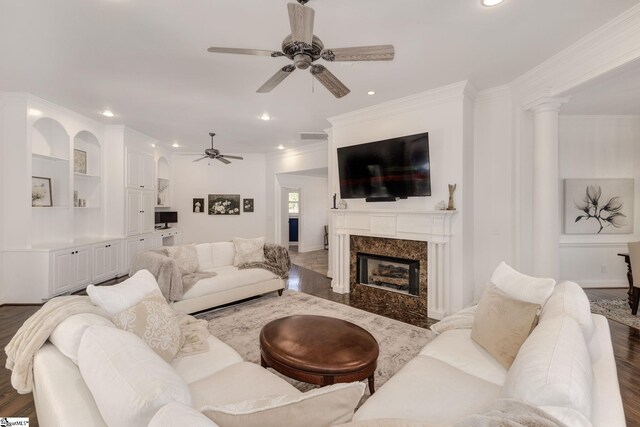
[[608, 284], [311, 249]]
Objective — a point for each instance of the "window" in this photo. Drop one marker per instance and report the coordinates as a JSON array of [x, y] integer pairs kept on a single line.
[[294, 203]]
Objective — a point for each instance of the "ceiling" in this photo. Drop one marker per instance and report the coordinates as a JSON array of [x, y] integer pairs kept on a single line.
[[146, 59], [315, 173]]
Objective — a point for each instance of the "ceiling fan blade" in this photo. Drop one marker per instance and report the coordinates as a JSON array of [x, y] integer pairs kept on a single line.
[[360, 53], [231, 157], [301, 20], [258, 52], [223, 160], [201, 158], [276, 79], [328, 80]]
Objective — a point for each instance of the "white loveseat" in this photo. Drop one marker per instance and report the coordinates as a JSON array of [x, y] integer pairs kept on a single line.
[[565, 367]]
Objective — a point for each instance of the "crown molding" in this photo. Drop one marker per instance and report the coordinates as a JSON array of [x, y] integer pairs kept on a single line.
[[298, 151], [497, 93]]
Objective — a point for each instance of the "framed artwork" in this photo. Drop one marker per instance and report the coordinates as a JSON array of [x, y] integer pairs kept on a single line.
[[247, 205], [224, 204], [198, 205], [79, 161], [598, 206], [41, 192]]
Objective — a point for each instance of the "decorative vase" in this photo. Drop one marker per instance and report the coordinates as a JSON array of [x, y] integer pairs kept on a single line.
[[452, 189]]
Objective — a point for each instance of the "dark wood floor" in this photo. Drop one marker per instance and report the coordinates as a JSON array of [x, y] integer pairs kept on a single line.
[[626, 344]]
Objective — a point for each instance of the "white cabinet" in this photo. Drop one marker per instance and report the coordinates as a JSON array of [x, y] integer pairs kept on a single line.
[[71, 269], [140, 209], [106, 257], [141, 170], [170, 237], [134, 245]]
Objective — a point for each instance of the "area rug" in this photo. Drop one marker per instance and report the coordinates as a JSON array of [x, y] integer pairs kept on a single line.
[[616, 309], [239, 326]]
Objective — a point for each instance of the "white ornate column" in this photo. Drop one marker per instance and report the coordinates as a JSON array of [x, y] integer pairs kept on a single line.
[[546, 188]]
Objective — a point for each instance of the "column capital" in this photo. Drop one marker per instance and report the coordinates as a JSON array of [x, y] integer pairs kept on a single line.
[[545, 104]]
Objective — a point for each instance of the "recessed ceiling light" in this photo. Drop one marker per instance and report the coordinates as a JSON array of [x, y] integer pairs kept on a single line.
[[371, 92], [265, 117], [34, 112], [175, 145], [108, 113], [153, 145], [491, 2], [280, 147]]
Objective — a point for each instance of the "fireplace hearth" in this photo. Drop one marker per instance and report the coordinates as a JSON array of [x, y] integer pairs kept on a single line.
[[389, 273]]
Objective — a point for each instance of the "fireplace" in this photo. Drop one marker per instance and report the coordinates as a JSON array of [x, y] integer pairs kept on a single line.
[[389, 273]]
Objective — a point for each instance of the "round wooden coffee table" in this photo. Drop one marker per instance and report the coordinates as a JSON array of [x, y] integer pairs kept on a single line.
[[319, 350]]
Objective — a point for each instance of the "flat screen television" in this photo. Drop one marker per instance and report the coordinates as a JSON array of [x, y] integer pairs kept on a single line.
[[386, 170], [166, 217]]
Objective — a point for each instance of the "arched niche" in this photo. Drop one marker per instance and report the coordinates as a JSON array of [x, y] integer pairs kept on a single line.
[[50, 139], [88, 159]]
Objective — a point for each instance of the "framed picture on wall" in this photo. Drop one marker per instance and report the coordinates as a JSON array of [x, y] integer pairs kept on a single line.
[[198, 205], [598, 206], [224, 204], [41, 192], [79, 161], [247, 205]]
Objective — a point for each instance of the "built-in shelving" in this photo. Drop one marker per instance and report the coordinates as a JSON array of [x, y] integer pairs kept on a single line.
[[47, 157]]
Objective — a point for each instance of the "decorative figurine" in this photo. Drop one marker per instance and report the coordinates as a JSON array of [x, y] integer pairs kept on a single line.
[[441, 206], [452, 188], [334, 201], [342, 204]]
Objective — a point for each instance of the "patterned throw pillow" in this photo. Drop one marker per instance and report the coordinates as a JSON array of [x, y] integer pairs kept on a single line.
[[502, 324], [155, 322], [248, 250], [186, 257]]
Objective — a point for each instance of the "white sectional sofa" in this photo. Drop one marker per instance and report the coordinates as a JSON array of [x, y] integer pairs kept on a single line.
[[565, 367]]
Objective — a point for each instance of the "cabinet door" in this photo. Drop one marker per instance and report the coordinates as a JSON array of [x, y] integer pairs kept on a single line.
[[148, 171], [100, 256], [82, 267], [131, 249], [134, 172], [64, 266], [112, 259], [134, 211], [148, 212]]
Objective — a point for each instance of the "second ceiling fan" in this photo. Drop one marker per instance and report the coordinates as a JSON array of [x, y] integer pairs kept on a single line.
[[304, 48]]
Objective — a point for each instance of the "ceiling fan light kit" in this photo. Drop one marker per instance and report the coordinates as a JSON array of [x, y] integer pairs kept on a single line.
[[214, 154], [304, 48]]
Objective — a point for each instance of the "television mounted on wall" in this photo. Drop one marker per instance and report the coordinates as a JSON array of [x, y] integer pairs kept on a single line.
[[386, 170]]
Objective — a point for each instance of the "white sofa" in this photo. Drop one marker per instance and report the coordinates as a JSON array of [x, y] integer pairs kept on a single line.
[[565, 367], [229, 284]]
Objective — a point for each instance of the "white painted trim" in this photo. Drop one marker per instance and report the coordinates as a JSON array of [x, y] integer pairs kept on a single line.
[[298, 151], [441, 95], [493, 94], [590, 283]]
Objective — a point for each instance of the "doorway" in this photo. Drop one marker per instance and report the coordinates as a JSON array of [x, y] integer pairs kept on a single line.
[[291, 217]]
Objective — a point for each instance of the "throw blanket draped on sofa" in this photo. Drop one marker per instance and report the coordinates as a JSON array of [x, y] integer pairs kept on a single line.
[[276, 260]]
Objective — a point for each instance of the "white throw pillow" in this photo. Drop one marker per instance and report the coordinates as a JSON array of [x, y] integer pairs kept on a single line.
[[223, 253], [176, 414], [67, 335], [522, 287], [117, 298], [128, 381], [553, 368], [156, 323], [248, 250], [205, 256], [320, 407]]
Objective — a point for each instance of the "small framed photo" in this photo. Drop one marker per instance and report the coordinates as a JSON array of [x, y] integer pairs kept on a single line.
[[79, 161], [247, 205], [41, 192], [198, 205]]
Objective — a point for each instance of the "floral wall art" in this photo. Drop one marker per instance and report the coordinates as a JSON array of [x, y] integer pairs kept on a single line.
[[598, 206], [224, 204]]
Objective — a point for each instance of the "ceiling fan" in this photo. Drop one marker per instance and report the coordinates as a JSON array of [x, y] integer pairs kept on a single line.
[[214, 153], [304, 48]]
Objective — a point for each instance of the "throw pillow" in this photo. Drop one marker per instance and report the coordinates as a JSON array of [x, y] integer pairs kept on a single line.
[[116, 298], [128, 381], [320, 407], [460, 320], [502, 324], [155, 322], [522, 287], [248, 250], [186, 256], [67, 335]]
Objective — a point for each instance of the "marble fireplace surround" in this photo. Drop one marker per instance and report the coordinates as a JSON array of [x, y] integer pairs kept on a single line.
[[432, 227]]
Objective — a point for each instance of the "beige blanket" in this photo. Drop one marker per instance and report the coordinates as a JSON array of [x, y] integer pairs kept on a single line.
[[35, 331], [276, 260]]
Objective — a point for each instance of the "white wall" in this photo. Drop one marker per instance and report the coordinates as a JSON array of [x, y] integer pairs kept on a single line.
[[599, 147], [314, 208], [197, 180], [313, 156], [447, 115]]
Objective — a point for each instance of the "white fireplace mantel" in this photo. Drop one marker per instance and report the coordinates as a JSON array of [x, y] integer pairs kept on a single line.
[[434, 227]]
